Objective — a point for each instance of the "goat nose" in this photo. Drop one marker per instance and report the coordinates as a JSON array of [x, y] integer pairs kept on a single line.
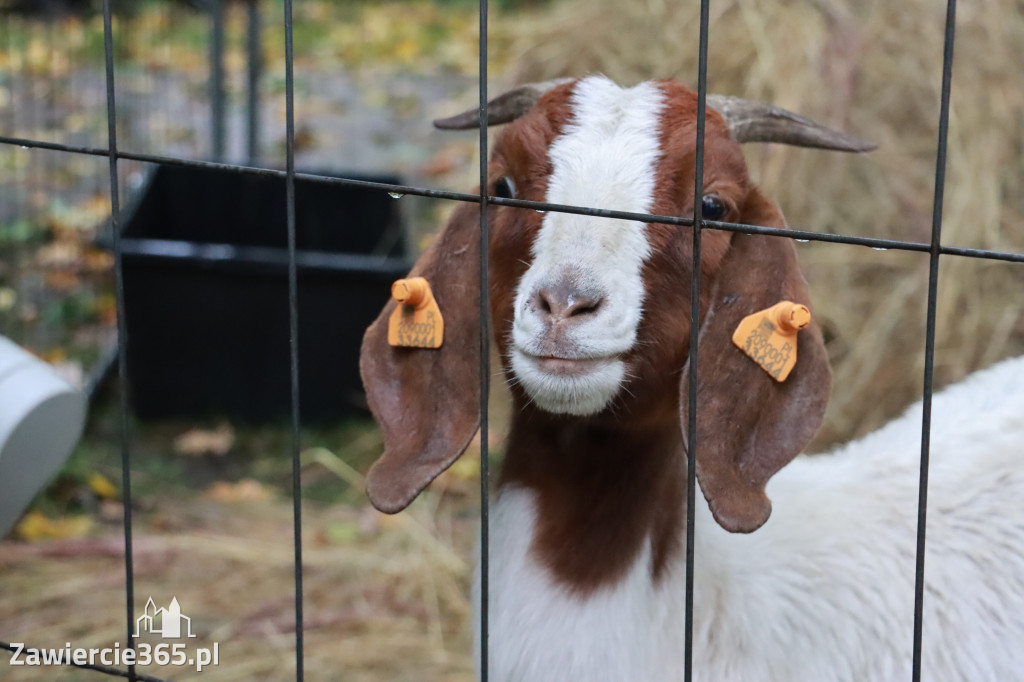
[[563, 302]]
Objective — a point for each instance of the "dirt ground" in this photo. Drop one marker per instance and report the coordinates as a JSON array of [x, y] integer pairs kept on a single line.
[[384, 597]]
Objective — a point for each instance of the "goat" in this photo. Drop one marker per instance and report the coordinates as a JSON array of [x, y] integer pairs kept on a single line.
[[591, 320]]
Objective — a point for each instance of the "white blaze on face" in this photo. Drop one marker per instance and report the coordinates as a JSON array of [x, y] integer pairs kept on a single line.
[[605, 158]]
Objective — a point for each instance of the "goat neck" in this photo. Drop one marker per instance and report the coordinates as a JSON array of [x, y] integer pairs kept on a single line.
[[604, 490]]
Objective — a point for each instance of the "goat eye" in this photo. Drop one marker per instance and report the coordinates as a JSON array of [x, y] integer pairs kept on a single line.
[[713, 207], [504, 188]]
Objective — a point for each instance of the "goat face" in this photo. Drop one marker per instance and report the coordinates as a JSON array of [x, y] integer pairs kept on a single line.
[[592, 314], [589, 311]]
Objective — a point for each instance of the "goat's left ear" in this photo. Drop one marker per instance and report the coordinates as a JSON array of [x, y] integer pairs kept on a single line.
[[748, 425]]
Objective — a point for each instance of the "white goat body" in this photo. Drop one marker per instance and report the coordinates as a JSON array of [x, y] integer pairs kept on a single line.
[[592, 323], [824, 591]]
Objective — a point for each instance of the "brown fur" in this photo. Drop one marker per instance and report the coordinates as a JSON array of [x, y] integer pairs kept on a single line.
[[608, 483], [422, 399]]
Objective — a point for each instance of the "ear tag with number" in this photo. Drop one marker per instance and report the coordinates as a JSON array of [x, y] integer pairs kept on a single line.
[[416, 321], [769, 337]]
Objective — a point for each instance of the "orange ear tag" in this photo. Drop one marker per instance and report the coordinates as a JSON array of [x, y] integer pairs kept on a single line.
[[769, 337], [416, 321]]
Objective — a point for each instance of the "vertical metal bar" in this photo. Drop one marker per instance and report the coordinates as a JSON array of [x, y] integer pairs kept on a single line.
[[50, 104], [7, 120], [27, 122], [122, 328], [217, 103], [485, 360], [691, 428], [293, 322], [929, 348], [15, 180], [255, 59]]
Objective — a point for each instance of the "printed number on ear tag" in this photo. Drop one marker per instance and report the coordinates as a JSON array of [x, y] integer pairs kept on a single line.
[[416, 321], [769, 337]]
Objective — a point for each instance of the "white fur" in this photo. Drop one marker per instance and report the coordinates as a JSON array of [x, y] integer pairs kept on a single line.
[[581, 394], [823, 592], [540, 632], [605, 158]]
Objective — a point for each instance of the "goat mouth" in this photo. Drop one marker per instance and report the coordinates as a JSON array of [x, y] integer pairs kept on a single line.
[[561, 366], [568, 385], [567, 366]]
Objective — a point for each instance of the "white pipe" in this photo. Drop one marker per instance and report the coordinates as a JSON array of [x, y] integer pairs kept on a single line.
[[41, 419]]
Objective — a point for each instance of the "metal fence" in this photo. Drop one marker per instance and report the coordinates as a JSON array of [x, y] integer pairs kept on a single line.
[[115, 155]]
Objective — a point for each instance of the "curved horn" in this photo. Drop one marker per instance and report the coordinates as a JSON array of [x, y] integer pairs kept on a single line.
[[503, 108], [751, 121]]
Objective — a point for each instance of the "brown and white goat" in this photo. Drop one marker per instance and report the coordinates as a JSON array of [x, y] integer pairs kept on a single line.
[[592, 321]]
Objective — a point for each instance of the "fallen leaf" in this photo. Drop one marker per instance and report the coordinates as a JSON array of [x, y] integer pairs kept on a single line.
[[198, 442], [62, 280], [59, 254], [95, 260], [55, 355], [106, 308], [246, 490], [8, 297], [102, 487], [35, 526]]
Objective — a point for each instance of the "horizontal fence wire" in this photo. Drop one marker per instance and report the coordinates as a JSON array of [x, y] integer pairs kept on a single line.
[[433, 193], [935, 249]]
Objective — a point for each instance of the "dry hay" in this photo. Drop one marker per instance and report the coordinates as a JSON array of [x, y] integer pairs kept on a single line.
[[872, 68], [385, 597]]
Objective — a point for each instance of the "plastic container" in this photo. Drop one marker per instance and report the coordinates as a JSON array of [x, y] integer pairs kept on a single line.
[[206, 293], [41, 419]]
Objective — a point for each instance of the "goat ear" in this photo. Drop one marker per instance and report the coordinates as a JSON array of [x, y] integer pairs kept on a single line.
[[748, 425], [421, 397]]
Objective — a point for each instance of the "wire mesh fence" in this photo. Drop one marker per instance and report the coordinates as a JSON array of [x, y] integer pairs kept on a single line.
[[129, 148]]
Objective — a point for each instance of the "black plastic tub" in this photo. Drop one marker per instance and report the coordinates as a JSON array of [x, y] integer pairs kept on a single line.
[[205, 265]]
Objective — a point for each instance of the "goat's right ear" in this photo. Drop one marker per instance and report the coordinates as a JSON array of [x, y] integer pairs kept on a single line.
[[422, 398], [749, 425]]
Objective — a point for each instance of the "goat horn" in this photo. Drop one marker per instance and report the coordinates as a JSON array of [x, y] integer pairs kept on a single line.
[[751, 121], [748, 120], [503, 108]]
